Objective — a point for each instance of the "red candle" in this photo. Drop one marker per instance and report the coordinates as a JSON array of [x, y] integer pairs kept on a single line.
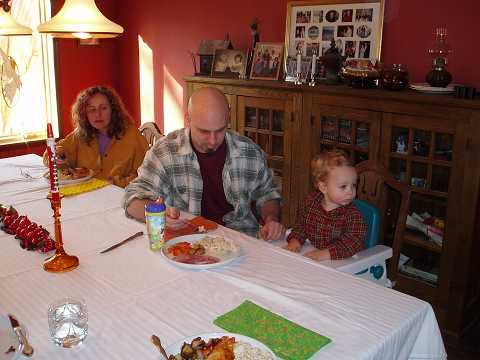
[[52, 164]]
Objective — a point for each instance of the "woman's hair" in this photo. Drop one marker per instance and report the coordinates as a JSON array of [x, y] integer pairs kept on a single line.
[[324, 162], [119, 120]]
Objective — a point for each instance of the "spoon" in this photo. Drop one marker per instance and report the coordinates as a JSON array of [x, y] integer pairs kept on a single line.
[[156, 341]]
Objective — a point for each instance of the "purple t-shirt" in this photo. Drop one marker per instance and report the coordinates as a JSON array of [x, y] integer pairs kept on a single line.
[[103, 142], [214, 202]]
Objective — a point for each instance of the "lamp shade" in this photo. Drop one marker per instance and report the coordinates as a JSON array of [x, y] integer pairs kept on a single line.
[[9, 26], [80, 19]]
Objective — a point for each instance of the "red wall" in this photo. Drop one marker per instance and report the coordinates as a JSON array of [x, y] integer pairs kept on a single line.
[[171, 28]]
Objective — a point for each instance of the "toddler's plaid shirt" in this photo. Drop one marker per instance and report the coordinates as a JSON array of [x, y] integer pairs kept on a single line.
[[341, 231]]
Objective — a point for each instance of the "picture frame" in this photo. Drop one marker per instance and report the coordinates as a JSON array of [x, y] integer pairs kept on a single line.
[[230, 63], [267, 61], [355, 25]]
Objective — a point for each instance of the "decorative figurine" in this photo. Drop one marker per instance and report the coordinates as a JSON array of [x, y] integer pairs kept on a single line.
[[401, 145], [255, 32], [333, 63]]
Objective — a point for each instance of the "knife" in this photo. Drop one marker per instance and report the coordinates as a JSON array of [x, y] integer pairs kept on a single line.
[[140, 233], [27, 350]]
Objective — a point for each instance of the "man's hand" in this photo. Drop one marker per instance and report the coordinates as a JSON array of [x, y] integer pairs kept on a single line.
[[272, 230], [173, 212], [318, 255], [136, 209], [293, 245]]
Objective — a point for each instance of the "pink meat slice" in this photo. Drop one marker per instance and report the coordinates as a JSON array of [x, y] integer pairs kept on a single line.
[[196, 259]]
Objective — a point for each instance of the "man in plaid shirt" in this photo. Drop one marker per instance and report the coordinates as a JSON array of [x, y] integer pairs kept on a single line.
[[209, 171]]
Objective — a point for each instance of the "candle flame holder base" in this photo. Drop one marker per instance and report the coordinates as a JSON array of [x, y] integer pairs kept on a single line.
[[60, 262]]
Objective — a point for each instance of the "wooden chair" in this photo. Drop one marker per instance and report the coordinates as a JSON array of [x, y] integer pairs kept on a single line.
[[151, 132], [377, 186]]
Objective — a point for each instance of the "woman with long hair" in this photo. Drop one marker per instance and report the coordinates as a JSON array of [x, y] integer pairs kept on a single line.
[[105, 138]]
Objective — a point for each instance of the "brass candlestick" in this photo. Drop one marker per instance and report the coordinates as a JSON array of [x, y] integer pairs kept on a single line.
[[61, 261]]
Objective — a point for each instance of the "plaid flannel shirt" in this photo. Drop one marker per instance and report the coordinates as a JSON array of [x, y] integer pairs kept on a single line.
[[342, 230], [170, 169]]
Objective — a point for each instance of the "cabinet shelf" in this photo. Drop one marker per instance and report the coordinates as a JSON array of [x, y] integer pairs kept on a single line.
[[420, 241], [429, 192], [341, 145], [265, 131], [421, 159]]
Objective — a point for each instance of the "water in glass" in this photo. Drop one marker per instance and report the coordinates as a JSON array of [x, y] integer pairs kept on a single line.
[[67, 320]]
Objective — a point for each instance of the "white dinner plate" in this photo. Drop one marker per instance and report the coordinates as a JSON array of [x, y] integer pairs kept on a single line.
[[7, 339], [424, 87], [224, 260], [71, 181], [175, 348]]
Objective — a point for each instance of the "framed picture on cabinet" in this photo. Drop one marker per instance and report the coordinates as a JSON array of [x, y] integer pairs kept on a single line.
[[354, 25], [229, 63], [266, 61]]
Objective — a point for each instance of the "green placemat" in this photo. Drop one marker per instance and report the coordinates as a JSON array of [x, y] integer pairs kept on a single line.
[[287, 340]]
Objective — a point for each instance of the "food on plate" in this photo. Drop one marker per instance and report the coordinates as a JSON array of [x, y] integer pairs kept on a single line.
[[71, 174], [196, 259], [208, 250], [218, 245], [224, 348]]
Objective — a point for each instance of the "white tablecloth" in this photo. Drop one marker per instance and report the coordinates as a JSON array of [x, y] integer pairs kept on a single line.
[[132, 292]]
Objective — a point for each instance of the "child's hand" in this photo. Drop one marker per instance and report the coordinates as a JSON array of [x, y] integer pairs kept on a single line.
[[293, 245], [318, 255]]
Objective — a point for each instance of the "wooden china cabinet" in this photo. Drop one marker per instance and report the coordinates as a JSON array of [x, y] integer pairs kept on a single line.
[[429, 142]]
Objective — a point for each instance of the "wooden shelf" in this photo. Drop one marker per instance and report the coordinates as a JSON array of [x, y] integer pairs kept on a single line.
[[264, 131], [420, 241], [428, 192], [421, 159]]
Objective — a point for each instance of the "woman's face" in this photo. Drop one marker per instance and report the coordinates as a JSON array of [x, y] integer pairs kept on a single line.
[[99, 112]]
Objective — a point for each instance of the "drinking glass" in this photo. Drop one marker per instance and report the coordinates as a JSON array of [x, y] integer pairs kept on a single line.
[[68, 321]]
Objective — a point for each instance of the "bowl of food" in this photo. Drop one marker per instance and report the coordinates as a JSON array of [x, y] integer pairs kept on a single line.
[[360, 73]]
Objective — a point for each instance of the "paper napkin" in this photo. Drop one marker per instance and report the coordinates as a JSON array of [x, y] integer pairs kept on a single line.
[[92, 184], [286, 339]]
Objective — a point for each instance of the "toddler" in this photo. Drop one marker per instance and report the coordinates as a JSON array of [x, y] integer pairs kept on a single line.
[[334, 226]]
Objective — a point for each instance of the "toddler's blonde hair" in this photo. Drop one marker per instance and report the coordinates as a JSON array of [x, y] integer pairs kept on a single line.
[[324, 162]]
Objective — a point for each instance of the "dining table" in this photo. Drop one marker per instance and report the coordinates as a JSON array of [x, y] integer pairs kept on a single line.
[[132, 292]]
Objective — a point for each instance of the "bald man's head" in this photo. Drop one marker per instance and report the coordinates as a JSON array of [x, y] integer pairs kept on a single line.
[[208, 117]]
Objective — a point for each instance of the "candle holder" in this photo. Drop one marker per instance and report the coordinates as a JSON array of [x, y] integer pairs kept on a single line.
[[60, 261]]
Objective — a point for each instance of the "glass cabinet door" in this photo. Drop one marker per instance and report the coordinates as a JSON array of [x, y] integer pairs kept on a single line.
[[266, 121], [422, 159], [354, 131]]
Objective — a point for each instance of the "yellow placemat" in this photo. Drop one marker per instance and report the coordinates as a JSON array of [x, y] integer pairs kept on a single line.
[[86, 186]]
